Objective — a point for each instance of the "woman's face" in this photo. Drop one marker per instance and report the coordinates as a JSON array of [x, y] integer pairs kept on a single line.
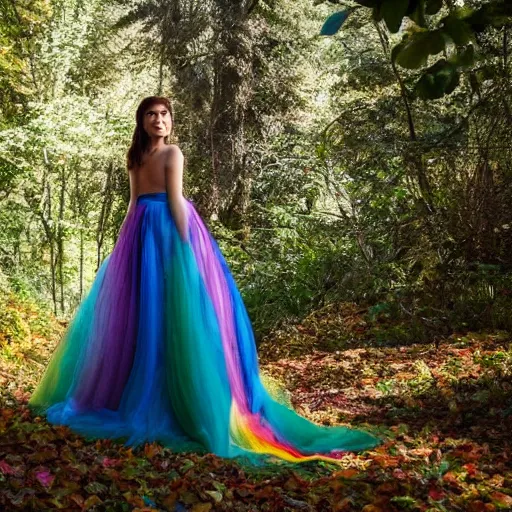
[[157, 121]]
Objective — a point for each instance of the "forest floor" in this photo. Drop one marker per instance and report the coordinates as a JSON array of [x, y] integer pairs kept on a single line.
[[445, 415]]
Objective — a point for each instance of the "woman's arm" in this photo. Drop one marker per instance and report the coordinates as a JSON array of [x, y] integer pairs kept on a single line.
[[174, 185], [133, 199], [133, 192]]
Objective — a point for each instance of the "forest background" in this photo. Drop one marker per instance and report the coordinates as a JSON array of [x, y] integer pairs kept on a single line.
[[356, 174], [322, 172]]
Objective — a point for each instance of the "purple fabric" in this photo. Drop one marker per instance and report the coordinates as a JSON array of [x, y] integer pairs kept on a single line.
[[112, 347]]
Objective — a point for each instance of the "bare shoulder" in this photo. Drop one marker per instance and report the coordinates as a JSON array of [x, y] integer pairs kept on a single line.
[[173, 153]]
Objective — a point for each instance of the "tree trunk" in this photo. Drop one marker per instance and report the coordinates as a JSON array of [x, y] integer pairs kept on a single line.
[[80, 214], [106, 207], [60, 237], [412, 158], [47, 222], [229, 189]]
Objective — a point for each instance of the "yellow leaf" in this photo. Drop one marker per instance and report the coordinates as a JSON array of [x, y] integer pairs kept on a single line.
[[202, 507], [216, 495], [91, 501]]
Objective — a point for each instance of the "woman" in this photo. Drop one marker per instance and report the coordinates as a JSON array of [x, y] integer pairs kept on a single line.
[[162, 349]]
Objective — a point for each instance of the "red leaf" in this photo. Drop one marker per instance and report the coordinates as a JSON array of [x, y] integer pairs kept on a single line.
[[45, 478], [470, 468], [346, 473], [480, 506], [501, 499], [386, 461], [107, 462], [450, 478], [5, 468], [436, 494], [399, 474]]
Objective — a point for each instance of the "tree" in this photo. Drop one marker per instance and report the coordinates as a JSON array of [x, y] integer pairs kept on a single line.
[[435, 27]]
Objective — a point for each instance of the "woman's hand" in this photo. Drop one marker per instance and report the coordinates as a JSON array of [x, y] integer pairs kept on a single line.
[[174, 184]]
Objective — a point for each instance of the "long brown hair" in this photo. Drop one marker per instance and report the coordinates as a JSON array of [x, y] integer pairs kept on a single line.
[[140, 139]]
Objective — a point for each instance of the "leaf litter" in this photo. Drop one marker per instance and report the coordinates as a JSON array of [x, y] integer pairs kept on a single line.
[[445, 415]]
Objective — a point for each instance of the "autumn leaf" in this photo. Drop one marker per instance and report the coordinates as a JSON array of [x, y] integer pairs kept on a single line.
[[5, 468], [501, 500], [436, 494], [91, 502], [371, 508], [150, 450], [216, 495], [45, 478], [202, 507], [346, 473], [450, 478], [107, 462], [470, 468]]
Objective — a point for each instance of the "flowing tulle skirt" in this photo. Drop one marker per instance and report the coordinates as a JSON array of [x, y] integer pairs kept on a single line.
[[162, 349]]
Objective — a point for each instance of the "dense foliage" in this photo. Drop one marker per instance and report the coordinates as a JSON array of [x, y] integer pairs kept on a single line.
[[326, 169]]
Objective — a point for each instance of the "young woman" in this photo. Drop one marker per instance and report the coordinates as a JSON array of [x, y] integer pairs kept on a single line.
[[162, 349]]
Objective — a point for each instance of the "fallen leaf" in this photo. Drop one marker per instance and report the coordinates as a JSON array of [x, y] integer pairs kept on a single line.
[[91, 501], [216, 495], [436, 494], [346, 473], [421, 452], [5, 468], [45, 478], [79, 500], [108, 463], [501, 499], [399, 474], [371, 508], [202, 507], [451, 478], [150, 450]]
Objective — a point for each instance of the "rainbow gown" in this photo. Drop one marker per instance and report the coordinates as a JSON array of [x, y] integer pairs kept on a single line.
[[162, 349]]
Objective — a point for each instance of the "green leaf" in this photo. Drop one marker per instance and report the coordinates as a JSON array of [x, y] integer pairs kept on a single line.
[[396, 50], [187, 464], [368, 3], [411, 53], [413, 5], [444, 466], [464, 58], [457, 29], [438, 80], [435, 42], [406, 501], [376, 13], [426, 87], [416, 12], [453, 82], [334, 22], [216, 495], [433, 6], [95, 488], [500, 14], [485, 73], [414, 50], [393, 11], [494, 14]]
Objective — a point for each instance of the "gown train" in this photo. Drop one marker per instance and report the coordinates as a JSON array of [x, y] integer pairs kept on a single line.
[[162, 349]]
